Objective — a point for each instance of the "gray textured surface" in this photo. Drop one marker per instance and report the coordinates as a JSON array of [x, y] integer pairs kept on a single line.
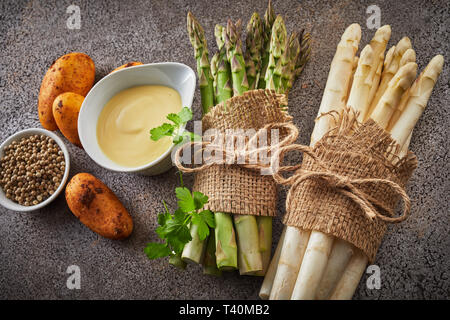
[[36, 248]]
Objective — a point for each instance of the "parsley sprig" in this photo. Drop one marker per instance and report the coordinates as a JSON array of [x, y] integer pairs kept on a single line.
[[174, 227], [173, 129]]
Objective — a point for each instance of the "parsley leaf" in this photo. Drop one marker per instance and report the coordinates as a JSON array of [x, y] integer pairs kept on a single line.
[[185, 114], [174, 118], [208, 217], [185, 199], [175, 228], [156, 250], [202, 227], [165, 129], [173, 130], [199, 200]]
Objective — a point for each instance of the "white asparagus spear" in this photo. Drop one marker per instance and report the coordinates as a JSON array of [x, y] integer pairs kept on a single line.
[[409, 56], [282, 289], [350, 279], [335, 96], [390, 70], [313, 266], [420, 94], [388, 57], [359, 99], [266, 287], [362, 81], [378, 45], [391, 97], [340, 256], [406, 146], [350, 84]]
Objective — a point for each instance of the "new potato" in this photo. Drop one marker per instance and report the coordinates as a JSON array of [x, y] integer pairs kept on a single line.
[[97, 207], [66, 108], [73, 72], [126, 65]]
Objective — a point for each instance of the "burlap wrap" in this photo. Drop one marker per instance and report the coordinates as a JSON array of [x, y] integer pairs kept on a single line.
[[235, 188], [354, 159]]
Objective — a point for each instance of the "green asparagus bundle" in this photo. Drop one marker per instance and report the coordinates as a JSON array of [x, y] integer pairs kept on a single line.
[[271, 61]]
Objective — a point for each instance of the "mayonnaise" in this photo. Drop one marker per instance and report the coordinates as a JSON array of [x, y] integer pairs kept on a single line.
[[123, 127]]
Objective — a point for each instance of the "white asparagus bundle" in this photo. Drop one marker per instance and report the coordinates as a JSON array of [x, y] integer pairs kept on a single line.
[[346, 264], [337, 262], [419, 95], [313, 268], [401, 81], [335, 95]]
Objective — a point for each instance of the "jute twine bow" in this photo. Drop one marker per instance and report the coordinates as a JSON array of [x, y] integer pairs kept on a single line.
[[231, 156], [347, 186]]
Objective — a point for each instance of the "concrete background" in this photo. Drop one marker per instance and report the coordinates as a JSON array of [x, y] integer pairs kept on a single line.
[[36, 248]]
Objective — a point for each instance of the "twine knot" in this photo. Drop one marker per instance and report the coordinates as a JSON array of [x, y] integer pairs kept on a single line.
[[350, 187], [237, 156]]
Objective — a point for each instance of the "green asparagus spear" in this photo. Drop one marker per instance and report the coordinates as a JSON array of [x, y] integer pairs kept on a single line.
[[288, 76], [194, 250], [226, 248], [254, 42], [278, 58], [209, 262], [235, 56], [305, 52], [226, 255], [269, 18], [176, 261], [214, 66], [265, 241], [301, 58], [223, 89], [198, 41], [249, 254]]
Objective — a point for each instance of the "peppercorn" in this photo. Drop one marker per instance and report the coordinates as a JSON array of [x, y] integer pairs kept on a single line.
[[31, 169]]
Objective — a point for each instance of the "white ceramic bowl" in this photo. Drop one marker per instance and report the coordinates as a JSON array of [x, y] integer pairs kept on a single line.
[[9, 204], [174, 75]]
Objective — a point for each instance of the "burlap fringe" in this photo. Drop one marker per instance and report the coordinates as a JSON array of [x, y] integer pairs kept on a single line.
[[362, 159]]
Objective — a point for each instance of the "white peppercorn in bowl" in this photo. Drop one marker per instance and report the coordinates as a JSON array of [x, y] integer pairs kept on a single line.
[[15, 206]]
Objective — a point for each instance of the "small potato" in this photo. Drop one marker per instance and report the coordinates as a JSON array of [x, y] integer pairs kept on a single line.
[[129, 64], [97, 207], [66, 108], [73, 72]]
